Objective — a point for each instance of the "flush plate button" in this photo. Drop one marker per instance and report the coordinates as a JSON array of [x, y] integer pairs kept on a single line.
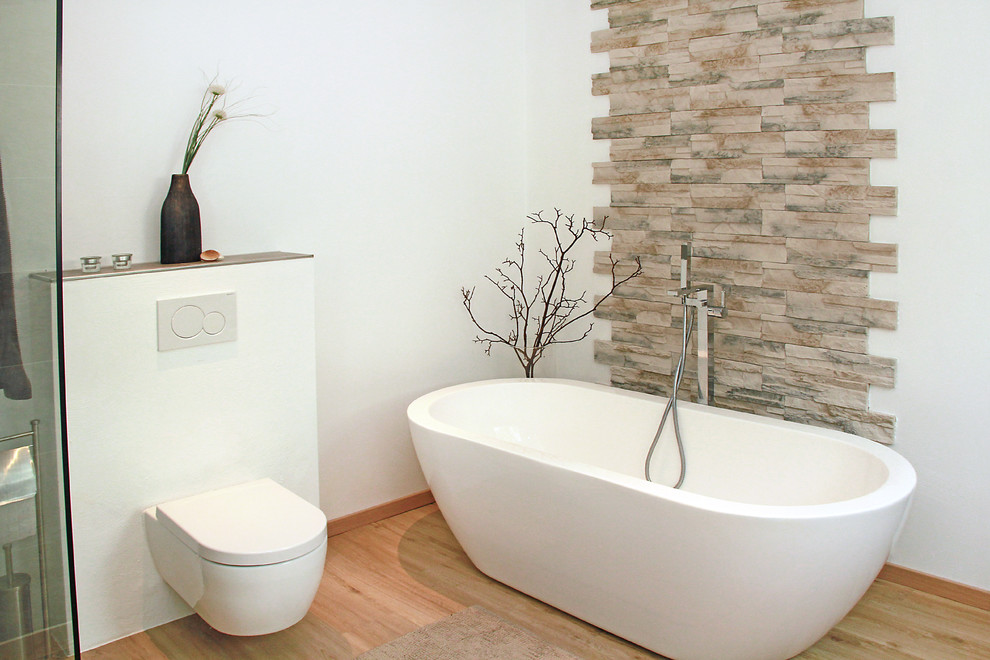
[[187, 322], [197, 320], [214, 323]]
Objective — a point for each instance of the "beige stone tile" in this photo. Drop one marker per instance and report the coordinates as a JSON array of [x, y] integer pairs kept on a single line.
[[631, 356], [658, 54], [797, 387], [735, 145], [872, 425], [723, 76], [629, 218], [814, 170], [734, 69], [638, 56], [627, 126], [845, 310], [717, 221], [652, 100], [878, 257], [616, 309], [841, 34], [847, 88], [645, 11], [659, 194], [644, 243], [812, 279], [756, 402], [653, 148], [726, 271], [808, 12], [641, 381], [817, 334], [737, 44], [683, 26], [719, 96], [843, 365], [733, 374], [761, 249], [709, 6], [810, 63], [715, 120], [817, 117], [879, 143], [655, 334], [739, 323], [749, 349], [738, 196], [875, 200], [716, 170], [637, 34], [755, 301], [631, 172], [656, 268], [643, 81]]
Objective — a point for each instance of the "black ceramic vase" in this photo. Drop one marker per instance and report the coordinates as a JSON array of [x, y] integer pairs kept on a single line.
[[182, 236]]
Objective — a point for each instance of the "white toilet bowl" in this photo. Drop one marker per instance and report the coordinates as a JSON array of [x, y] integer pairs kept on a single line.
[[248, 558]]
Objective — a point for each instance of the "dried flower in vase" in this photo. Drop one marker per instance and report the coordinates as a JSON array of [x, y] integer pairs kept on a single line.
[[213, 110]]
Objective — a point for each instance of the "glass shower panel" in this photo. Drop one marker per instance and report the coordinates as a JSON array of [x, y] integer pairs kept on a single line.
[[35, 590]]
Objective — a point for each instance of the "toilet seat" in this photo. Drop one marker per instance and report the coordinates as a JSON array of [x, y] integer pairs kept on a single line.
[[251, 524]]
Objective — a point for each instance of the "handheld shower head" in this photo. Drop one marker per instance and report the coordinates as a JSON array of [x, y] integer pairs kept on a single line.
[[685, 265]]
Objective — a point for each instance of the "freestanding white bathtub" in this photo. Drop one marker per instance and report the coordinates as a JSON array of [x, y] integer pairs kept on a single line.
[[778, 530]]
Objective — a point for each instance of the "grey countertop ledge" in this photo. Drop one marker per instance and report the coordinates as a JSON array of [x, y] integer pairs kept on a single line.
[[154, 267]]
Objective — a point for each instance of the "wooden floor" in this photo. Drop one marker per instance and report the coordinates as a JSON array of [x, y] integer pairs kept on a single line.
[[391, 577]]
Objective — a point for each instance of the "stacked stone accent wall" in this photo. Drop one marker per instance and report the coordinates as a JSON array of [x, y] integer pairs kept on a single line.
[[742, 127]]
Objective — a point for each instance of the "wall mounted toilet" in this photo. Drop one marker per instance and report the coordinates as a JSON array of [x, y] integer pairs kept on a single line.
[[248, 559]]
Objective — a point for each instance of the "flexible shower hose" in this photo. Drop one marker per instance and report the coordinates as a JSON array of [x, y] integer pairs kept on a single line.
[[687, 324]]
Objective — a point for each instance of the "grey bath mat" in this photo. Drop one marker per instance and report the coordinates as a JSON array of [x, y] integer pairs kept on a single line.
[[471, 634]]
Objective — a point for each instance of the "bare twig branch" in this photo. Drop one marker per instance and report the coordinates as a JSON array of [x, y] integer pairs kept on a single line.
[[538, 319]]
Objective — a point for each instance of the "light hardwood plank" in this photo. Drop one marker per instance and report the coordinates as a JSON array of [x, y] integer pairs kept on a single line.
[[390, 577]]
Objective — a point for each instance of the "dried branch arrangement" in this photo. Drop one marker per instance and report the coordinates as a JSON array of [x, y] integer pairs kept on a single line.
[[540, 316]]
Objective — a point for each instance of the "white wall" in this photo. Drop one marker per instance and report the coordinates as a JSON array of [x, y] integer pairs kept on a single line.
[[560, 150], [395, 154], [405, 151], [943, 232], [942, 228]]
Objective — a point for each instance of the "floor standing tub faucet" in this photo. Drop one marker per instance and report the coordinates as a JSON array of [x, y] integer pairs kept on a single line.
[[699, 297]]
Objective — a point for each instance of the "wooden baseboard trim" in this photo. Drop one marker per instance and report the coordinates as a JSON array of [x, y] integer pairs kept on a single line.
[[961, 593], [380, 512]]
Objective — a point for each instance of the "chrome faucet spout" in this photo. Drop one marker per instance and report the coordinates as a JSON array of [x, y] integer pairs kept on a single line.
[[689, 292]]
